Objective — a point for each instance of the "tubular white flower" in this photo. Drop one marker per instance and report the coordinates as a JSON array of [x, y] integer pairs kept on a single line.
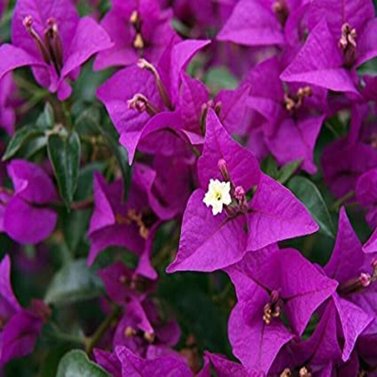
[[217, 196]]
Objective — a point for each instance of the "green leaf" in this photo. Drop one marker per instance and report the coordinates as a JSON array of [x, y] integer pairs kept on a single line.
[[75, 222], [91, 119], [283, 174], [368, 68], [33, 147], [185, 293], [51, 361], [77, 364], [85, 185], [180, 27], [286, 171], [86, 85], [270, 167], [308, 193], [122, 158], [20, 138], [46, 119], [88, 120], [74, 282], [74, 226], [64, 153], [220, 78]]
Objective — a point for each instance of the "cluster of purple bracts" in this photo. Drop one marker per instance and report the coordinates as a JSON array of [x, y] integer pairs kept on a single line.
[[196, 160]]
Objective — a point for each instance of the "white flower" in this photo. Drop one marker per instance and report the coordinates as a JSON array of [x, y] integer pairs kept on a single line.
[[218, 194]]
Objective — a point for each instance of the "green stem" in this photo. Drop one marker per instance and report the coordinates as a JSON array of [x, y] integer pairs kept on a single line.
[[165, 252], [76, 206], [66, 254], [220, 297], [59, 334], [308, 245], [27, 85], [332, 129], [38, 96], [7, 17], [342, 200], [91, 342], [83, 204], [67, 115]]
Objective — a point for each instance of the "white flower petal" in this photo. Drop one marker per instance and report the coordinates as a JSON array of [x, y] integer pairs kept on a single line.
[[217, 196]]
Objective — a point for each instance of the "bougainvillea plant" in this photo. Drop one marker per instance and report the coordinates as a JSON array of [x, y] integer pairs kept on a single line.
[[188, 188]]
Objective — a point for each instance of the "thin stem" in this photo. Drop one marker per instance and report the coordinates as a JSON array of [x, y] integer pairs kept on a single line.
[[79, 205], [59, 334], [67, 115], [66, 254], [26, 107], [7, 16], [165, 252], [332, 129], [27, 85], [223, 295], [308, 245], [91, 342], [345, 198], [83, 204]]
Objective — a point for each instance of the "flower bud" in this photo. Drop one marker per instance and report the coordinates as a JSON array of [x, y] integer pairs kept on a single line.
[[221, 164], [239, 193]]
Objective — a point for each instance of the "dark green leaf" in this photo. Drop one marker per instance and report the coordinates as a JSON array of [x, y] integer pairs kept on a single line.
[[74, 282], [77, 364], [180, 27], [85, 185], [33, 147], [64, 153], [89, 80], [368, 68], [220, 78], [286, 171], [20, 138], [46, 120], [270, 167], [122, 158], [309, 194], [88, 121], [91, 119], [185, 293], [50, 362], [75, 225]]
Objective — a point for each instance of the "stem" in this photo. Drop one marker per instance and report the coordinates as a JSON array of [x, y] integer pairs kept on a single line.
[[222, 296], [332, 129], [6, 190], [308, 245], [32, 102], [7, 16], [195, 151], [59, 334], [166, 251], [83, 204], [91, 342], [66, 254], [80, 205], [67, 115], [27, 85], [342, 200]]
